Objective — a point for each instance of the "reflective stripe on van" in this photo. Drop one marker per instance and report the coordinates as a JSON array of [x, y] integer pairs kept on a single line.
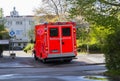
[[61, 55]]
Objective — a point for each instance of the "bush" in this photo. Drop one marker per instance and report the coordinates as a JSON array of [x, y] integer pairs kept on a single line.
[[112, 51], [82, 48], [94, 48], [113, 73]]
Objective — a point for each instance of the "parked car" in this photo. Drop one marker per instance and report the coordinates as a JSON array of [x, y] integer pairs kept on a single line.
[[17, 48]]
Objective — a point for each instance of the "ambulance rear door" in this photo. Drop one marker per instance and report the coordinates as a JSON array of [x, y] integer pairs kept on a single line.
[[54, 39], [67, 39]]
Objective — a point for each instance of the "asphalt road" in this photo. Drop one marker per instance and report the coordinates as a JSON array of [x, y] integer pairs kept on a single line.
[[25, 68]]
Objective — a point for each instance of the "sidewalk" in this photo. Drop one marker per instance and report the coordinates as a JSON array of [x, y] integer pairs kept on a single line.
[[18, 54], [91, 58], [6, 61]]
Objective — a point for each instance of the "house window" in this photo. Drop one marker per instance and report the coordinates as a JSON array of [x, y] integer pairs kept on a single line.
[[19, 32], [9, 23], [18, 22], [24, 44], [19, 44]]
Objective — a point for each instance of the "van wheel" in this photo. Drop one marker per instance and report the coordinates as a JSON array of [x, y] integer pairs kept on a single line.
[[68, 60], [35, 57]]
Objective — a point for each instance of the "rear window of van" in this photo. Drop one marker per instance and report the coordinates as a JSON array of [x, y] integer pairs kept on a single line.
[[66, 32], [53, 32]]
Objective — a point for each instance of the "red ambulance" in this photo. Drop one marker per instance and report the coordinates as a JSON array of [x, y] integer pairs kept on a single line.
[[55, 41]]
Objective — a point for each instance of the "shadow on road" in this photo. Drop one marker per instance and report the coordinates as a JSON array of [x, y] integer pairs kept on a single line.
[[28, 59], [7, 61]]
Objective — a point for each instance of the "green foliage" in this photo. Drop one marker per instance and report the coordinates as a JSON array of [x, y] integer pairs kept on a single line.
[[104, 19], [112, 51], [98, 34], [31, 34], [113, 73], [82, 48], [95, 78], [82, 39], [3, 32], [94, 38], [82, 35], [2, 27], [95, 48]]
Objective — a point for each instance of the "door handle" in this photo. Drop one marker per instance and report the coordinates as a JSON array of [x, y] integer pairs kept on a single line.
[[62, 43]]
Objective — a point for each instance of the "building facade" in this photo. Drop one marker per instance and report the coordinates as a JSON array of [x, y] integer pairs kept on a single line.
[[21, 25]]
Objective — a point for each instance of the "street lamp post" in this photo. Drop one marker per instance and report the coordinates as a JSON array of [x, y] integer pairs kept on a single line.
[[12, 35], [88, 30]]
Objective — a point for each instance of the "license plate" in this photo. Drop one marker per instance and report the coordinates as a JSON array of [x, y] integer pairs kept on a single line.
[[54, 51]]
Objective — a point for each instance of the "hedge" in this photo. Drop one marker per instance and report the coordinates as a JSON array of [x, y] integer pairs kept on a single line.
[[112, 51]]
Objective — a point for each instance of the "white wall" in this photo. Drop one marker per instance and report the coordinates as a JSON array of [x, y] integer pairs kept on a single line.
[[20, 25]]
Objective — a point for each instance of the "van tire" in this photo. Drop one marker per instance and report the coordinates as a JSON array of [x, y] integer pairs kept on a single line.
[[68, 60]]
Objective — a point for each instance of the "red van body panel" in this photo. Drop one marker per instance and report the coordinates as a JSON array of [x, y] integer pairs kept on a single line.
[[55, 40]]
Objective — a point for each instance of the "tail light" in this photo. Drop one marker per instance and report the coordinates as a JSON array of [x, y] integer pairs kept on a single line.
[[45, 32], [75, 46], [74, 30], [46, 48]]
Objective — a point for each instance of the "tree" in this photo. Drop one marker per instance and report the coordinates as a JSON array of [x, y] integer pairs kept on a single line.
[[31, 34], [53, 10], [3, 35], [3, 32], [112, 51], [2, 27], [94, 10], [105, 14]]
